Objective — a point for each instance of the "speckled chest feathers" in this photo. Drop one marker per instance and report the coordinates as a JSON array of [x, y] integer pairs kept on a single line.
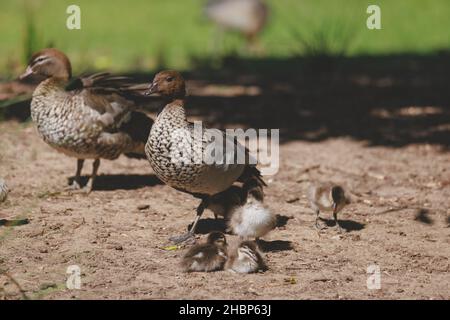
[[170, 148]]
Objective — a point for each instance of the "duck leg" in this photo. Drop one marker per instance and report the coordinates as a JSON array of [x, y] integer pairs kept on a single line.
[[182, 238], [91, 181], [76, 183], [336, 220], [316, 224]]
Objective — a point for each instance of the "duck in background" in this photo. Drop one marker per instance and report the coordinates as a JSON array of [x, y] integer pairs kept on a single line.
[[89, 118], [247, 17]]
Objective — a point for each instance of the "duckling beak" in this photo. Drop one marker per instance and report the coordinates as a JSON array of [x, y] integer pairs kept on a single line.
[[153, 88], [27, 73]]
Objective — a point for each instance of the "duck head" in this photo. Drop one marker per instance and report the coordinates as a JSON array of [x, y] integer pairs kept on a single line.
[[169, 84], [49, 63], [253, 188], [339, 198], [217, 238]]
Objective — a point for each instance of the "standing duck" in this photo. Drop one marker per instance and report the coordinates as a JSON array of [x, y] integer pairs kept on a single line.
[[89, 119], [327, 197], [245, 258], [176, 150], [209, 256], [245, 16]]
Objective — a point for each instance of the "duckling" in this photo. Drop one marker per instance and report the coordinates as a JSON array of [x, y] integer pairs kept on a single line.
[[252, 219], [245, 258], [224, 202], [176, 150], [245, 16], [3, 190], [209, 256], [89, 118], [327, 197]]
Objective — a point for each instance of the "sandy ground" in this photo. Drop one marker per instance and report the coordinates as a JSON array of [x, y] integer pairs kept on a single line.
[[399, 220]]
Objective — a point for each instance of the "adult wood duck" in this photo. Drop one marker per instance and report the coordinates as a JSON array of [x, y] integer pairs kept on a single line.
[[90, 117], [176, 150]]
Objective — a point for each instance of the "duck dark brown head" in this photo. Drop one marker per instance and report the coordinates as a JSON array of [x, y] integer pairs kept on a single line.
[[169, 84], [217, 238], [49, 63]]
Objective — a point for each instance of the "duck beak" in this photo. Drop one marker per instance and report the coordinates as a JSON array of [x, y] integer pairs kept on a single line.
[[153, 88], [27, 73]]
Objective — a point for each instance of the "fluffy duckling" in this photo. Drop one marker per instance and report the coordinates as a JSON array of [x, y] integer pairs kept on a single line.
[[3, 190], [176, 151], [327, 197], [245, 258], [88, 117], [209, 256], [252, 219]]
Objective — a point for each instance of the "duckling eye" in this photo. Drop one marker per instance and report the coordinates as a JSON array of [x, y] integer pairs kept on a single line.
[[169, 79]]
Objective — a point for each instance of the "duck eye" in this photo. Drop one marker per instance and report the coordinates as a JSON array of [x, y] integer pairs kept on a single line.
[[39, 59]]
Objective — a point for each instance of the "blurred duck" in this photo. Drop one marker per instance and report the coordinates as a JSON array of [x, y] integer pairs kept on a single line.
[[176, 151], [209, 256], [245, 258], [327, 197], [252, 219], [3, 190], [90, 118], [245, 16]]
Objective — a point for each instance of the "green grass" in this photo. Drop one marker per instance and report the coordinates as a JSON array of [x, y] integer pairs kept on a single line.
[[145, 34]]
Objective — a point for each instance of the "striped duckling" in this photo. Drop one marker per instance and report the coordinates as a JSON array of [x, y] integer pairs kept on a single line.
[[90, 118], [178, 150], [245, 258], [208, 256], [327, 197]]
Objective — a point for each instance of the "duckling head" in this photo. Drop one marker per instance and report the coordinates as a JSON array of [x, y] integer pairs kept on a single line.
[[48, 63], [339, 197], [216, 238], [253, 188], [169, 84]]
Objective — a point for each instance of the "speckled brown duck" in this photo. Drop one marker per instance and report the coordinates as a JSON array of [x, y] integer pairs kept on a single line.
[[90, 118], [174, 147]]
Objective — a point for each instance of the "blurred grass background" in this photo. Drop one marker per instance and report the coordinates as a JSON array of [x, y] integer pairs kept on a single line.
[[147, 34]]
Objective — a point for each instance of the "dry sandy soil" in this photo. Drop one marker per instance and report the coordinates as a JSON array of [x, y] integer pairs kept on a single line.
[[399, 220]]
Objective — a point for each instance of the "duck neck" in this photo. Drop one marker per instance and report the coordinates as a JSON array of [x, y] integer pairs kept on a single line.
[[174, 112], [50, 85]]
